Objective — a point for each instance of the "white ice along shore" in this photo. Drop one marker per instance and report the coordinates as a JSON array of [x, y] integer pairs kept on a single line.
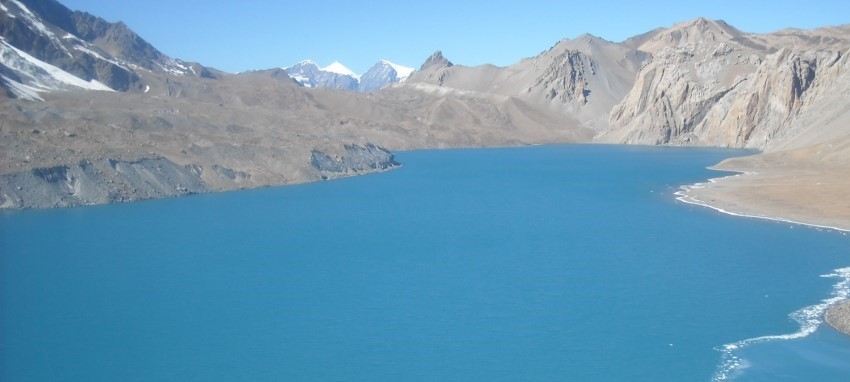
[[683, 196], [809, 318]]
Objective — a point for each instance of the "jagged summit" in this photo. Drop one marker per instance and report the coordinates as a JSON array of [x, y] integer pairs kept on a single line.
[[436, 60]]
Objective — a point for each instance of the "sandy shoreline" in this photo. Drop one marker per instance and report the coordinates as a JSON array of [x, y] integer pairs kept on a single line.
[[688, 194], [805, 197]]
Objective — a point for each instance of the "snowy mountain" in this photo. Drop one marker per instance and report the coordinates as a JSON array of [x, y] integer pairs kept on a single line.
[[46, 47], [337, 76], [24, 76], [383, 74]]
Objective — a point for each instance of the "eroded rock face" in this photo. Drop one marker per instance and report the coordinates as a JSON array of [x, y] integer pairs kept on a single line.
[[97, 182], [769, 101], [733, 93], [355, 159], [567, 77], [676, 89]]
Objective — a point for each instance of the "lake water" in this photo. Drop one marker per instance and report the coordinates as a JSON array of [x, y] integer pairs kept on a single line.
[[551, 263]]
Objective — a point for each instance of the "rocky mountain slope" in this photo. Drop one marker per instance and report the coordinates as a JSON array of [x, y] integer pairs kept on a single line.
[[707, 83], [238, 131], [581, 79], [95, 114], [382, 74], [47, 47]]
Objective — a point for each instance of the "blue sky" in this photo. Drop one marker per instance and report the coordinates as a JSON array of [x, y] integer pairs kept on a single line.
[[259, 34]]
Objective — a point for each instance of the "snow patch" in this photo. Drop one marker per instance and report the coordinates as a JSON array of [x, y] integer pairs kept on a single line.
[[302, 63], [172, 68], [338, 68], [5, 9], [22, 91], [44, 76], [303, 80], [88, 51], [23, 8], [402, 72], [94, 54]]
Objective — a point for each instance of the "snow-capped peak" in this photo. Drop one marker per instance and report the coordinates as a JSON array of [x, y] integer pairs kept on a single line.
[[337, 76], [402, 72], [338, 68], [307, 62]]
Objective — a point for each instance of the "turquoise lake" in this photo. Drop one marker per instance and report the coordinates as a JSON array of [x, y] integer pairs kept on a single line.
[[548, 263]]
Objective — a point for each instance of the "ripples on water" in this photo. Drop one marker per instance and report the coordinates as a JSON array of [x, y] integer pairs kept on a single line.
[[529, 264]]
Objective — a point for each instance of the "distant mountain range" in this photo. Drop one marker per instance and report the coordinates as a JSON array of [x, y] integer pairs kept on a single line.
[[337, 76]]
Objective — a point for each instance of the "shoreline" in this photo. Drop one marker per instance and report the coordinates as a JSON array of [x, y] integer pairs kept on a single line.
[[682, 196], [836, 312]]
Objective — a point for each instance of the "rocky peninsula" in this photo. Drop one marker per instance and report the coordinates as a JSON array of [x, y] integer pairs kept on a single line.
[[839, 316]]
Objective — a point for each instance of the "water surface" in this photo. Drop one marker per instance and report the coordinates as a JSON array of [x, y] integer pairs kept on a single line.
[[537, 264]]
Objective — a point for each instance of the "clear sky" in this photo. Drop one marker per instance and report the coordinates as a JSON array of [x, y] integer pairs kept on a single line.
[[259, 34]]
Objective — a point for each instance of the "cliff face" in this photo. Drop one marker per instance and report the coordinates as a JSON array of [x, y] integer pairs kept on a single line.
[[735, 91], [768, 105], [674, 92], [356, 159]]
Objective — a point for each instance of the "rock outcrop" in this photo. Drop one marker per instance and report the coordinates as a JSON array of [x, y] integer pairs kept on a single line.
[[98, 182], [355, 159], [839, 316], [709, 84]]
